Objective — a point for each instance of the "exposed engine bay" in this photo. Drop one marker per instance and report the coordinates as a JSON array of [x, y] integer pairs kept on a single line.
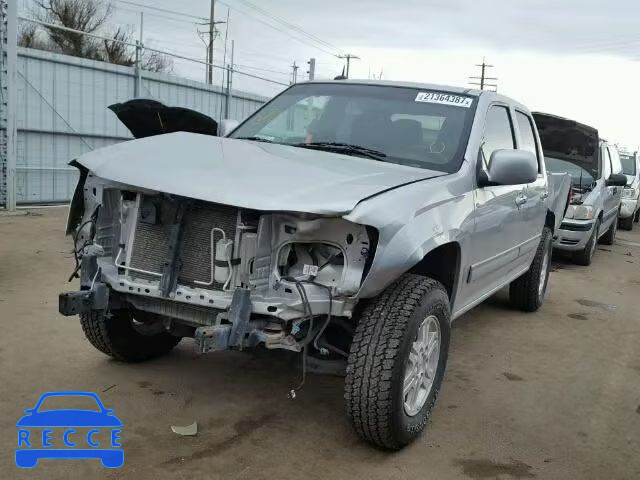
[[228, 276]]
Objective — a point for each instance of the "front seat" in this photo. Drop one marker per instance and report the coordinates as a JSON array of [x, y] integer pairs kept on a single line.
[[407, 133], [372, 131]]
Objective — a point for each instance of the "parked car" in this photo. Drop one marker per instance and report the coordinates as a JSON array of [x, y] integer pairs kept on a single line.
[[597, 181], [630, 209], [350, 221]]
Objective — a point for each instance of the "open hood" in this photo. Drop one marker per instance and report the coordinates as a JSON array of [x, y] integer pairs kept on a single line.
[[568, 140], [249, 174], [145, 118]]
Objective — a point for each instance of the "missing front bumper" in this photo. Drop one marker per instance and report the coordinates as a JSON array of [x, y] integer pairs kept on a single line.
[[75, 303]]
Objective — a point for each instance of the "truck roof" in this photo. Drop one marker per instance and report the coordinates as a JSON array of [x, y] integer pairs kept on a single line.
[[426, 86]]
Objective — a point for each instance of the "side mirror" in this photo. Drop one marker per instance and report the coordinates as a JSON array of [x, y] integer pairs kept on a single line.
[[510, 167], [226, 127], [617, 180]]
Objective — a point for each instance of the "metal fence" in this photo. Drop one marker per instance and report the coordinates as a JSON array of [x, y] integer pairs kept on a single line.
[[61, 112], [54, 107]]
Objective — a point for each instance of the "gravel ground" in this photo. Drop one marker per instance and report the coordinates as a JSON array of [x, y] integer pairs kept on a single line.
[[550, 395]]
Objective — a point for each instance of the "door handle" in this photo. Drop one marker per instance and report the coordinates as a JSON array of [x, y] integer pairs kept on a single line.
[[521, 200]]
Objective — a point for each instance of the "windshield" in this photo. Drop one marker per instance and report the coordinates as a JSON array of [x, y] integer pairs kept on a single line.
[[581, 174], [408, 126], [628, 164]]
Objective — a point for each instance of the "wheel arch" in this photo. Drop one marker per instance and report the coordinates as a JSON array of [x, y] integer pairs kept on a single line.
[[550, 221], [442, 264]]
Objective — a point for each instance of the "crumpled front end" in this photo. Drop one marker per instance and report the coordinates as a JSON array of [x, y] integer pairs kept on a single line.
[[229, 276]]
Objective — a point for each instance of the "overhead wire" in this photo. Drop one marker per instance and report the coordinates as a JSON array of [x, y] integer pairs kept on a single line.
[[164, 10], [287, 24]]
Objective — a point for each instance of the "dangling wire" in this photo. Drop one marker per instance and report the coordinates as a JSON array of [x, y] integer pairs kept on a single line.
[[311, 336], [92, 219], [306, 307]]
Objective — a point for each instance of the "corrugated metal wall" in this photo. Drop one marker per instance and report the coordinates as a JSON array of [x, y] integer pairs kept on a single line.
[[62, 112]]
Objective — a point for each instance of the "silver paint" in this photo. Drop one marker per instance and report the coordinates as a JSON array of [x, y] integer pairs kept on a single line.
[[413, 210]]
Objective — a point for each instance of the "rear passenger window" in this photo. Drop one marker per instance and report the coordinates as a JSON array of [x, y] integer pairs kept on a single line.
[[498, 133], [527, 137]]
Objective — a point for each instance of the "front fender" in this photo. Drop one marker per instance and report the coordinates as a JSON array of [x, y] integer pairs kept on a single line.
[[403, 245], [76, 208]]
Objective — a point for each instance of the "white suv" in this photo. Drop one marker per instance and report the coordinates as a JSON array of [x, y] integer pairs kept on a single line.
[[630, 208]]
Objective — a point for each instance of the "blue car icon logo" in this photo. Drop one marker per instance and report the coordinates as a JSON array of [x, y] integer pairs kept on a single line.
[[83, 433]]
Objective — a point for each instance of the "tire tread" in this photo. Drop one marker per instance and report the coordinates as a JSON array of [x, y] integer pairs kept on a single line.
[[376, 344]]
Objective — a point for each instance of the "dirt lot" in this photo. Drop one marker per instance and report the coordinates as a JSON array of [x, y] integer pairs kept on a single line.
[[552, 395]]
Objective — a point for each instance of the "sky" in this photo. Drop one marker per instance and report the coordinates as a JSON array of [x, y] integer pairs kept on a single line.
[[575, 58]]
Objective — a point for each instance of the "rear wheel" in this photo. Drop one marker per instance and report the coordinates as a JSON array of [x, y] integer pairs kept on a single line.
[[637, 217], [609, 237], [397, 361], [120, 336], [626, 223], [584, 257], [527, 292]]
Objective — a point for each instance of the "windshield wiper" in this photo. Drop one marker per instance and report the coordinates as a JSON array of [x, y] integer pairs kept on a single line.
[[346, 148], [255, 139]]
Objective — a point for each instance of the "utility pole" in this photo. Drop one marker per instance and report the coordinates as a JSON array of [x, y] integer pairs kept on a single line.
[[227, 103], [211, 34], [294, 73], [212, 26], [137, 86], [482, 80], [348, 57], [312, 68]]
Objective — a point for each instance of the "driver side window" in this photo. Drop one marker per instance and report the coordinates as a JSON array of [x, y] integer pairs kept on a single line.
[[498, 133]]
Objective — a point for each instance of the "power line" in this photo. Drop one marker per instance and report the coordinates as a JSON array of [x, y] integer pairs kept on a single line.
[[288, 24], [136, 45], [251, 67], [164, 10], [158, 15], [302, 40], [309, 40]]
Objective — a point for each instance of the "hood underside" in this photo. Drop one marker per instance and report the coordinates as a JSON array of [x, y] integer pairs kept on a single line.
[[145, 118], [249, 174], [567, 139]]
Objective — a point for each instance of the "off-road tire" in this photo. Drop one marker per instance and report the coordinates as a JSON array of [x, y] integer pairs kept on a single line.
[[524, 291], [585, 256], [626, 223], [116, 336], [610, 237], [378, 357]]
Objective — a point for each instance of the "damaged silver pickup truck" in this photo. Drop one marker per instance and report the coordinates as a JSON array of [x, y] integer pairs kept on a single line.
[[349, 221]]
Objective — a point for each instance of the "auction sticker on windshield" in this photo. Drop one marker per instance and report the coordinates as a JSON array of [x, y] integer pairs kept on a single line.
[[444, 99]]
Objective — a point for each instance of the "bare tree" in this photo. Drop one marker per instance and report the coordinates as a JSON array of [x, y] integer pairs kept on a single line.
[[116, 51], [157, 62], [29, 37], [90, 16], [85, 15]]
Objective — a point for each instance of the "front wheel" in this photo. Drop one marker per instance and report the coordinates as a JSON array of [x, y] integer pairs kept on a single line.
[[585, 256], [610, 237], [120, 336], [626, 223], [397, 361], [527, 292]]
